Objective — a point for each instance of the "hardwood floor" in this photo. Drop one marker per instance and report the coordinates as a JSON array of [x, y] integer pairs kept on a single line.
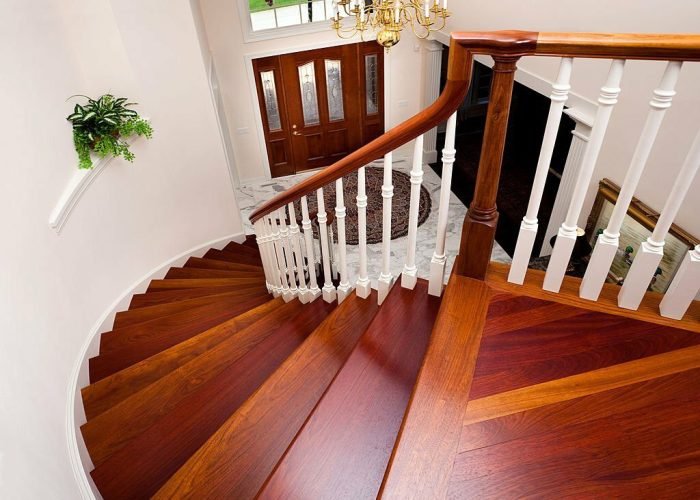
[[587, 404]]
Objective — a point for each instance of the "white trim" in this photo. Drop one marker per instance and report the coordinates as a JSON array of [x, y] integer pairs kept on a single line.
[[250, 36], [213, 77], [77, 185], [77, 452], [252, 86]]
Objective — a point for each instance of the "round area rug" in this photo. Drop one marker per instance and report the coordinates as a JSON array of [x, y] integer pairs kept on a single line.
[[374, 178]]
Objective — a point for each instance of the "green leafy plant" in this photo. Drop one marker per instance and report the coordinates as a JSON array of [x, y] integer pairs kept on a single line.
[[101, 126]]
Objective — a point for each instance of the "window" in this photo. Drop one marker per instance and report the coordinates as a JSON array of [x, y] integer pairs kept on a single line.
[[273, 14]]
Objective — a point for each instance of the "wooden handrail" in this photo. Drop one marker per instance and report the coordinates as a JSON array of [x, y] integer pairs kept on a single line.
[[512, 44]]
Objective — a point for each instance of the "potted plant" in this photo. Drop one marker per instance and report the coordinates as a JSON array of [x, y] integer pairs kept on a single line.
[[101, 126]]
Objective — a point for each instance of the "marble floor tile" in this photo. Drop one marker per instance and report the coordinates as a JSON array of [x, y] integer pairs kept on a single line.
[[253, 194]]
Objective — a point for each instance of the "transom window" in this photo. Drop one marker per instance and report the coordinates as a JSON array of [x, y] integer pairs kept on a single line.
[[272, 14]]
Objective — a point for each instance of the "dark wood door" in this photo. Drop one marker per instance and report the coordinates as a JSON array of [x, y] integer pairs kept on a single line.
[[317, 106]]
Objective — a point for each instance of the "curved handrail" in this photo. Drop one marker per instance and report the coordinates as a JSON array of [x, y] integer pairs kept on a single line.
[[499, 44]]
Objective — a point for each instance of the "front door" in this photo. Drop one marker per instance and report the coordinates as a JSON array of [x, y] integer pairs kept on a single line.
[[317, 106]]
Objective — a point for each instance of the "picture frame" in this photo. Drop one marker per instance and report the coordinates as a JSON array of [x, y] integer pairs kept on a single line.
[[637, 226]]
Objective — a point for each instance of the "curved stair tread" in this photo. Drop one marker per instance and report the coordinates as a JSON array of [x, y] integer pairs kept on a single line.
[[202, 263], [238, 258], [201, 317], [124, 319], [166, 296], [104, 434], [151, 457], [237, 459], [152, 337], [343, 449], [176, 284], [106, 393], [195, 273], [234, 247]]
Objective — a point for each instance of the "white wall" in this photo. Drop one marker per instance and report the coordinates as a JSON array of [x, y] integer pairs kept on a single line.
[[622, 16], [229, 52], [177, 195]]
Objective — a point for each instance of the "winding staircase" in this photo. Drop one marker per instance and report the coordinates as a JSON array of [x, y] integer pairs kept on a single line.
[[252, 372]]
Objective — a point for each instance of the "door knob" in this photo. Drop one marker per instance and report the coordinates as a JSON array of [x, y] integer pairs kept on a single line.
[[296, 133]]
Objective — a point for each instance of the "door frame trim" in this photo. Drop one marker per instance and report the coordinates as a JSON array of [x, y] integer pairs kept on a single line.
[[248, 62]]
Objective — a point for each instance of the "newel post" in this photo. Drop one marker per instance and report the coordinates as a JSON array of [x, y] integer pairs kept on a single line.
[[479, 228]]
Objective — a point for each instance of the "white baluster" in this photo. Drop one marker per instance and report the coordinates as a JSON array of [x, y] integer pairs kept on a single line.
[[528, 227], [362, 287], [651, 251], [607, 243], [328, 288], [384, 282], [287, 295], [408, 277], [344, 287], [437, 263], [289, 257], [296, 251], [260, 240], [269, 250], [314, 290], [566, 237], [684, 287]]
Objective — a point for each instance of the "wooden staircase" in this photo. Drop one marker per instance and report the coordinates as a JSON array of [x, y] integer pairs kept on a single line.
[[209, 387]]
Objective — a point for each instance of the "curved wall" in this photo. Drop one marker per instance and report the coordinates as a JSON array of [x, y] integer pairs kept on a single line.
[[54, 288]]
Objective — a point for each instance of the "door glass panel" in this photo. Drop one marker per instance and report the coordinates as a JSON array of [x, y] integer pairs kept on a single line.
[[334, 85], [372, 95], [271, 105], [309, 98]]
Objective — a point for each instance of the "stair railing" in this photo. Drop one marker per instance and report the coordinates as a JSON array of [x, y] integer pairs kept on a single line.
[[478, 232]]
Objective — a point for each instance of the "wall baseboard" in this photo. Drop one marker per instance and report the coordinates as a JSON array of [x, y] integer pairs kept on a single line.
[[75, 415]]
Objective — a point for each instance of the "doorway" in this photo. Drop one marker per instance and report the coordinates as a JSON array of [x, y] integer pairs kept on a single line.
[[319, 105]]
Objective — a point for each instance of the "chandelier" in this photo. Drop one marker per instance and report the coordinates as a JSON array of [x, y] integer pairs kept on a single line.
[[387, 18]]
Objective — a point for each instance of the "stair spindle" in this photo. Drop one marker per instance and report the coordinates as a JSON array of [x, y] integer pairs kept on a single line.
[[651, 251], [566, 237], [288, 255], [260, 239], [362, 287], [344, 287], [439, 259], [684, 287], [314, 290], [409, 275], [297, 255], [329, 293], [607, 243], [528, 226], [287, 295], [268, 249], [385, 279]]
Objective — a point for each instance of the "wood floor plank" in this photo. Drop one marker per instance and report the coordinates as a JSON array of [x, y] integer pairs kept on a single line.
[[236, 461], [106, 433], [106, 393], [508, 321], [598, 406], [344, 448], [497, 278], [138, 469], [421, 463], [240, 258], [124, 319], [166, 296], [582, 384], [177, 284], [592, 459], [576, 345], [202, 263], [198, 273]]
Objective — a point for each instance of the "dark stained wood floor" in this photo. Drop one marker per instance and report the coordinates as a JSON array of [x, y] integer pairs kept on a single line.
[[566, 402]]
